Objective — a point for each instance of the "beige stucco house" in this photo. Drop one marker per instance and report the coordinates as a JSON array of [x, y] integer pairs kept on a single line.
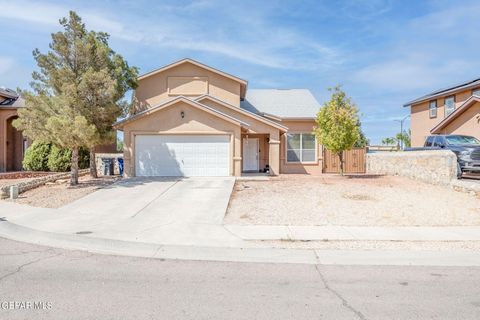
[[12, 142], [454, 110], [194, 120]]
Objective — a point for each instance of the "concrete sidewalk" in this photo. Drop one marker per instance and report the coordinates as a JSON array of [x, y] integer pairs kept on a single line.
[[259, 255]]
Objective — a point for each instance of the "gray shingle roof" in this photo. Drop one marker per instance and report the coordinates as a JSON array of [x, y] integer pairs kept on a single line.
[[283, 103], [464, 85], [10, 99]]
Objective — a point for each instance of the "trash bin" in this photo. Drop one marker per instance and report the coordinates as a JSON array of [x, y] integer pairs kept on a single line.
[[107, 164], [120, 166]]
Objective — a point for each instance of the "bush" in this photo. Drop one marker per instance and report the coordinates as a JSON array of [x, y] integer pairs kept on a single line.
[[60, 159], [36, 157]]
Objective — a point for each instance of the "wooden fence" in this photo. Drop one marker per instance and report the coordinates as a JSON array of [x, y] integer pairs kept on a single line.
[[354, 161]]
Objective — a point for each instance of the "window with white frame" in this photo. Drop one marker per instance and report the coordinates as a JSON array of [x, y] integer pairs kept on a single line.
[[476, 92], [301, 147], [449, 105], [433, 109]]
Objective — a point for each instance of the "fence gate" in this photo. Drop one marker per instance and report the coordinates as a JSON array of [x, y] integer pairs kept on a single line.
[[354, 161]]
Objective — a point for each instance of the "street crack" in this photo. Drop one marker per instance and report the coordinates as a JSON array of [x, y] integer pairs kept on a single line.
[[339, 296], [19, 268]]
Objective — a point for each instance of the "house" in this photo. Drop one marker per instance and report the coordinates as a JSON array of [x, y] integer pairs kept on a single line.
[[454, 110], [12, 142], [194, 120]]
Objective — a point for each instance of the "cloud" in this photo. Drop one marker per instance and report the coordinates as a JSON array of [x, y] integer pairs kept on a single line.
[[251, 38], [434, 50]]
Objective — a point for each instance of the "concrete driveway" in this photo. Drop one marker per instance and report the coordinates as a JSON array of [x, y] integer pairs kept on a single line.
[[159, 210]]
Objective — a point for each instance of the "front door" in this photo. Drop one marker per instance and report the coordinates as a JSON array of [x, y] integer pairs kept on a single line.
[[250, 154]]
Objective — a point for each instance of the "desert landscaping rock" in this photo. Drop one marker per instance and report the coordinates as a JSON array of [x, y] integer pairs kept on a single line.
[[350, 201], [60, 193]]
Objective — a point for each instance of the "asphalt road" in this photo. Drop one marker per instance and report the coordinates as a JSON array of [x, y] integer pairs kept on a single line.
[[79, 285]]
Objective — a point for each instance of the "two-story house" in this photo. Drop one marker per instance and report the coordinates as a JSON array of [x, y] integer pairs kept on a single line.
[[194, 120], [454, 110]]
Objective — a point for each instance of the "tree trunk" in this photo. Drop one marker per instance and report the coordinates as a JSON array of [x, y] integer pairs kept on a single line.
[[340, 156], [93, 164], [74, 170]]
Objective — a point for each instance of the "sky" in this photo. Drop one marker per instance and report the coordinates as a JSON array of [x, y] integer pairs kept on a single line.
[[382, 52]]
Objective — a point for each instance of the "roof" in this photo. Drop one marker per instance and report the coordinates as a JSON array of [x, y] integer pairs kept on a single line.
[[242, 82], [467, 104], [11, 99], [282, 103], [446, 91], [246, 112], [173, 101]]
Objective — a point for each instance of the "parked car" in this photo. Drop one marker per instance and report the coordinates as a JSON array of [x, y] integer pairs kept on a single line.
[[466, 148]]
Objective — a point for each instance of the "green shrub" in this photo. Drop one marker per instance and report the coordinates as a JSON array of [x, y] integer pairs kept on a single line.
[[60, 159], [36, 157]]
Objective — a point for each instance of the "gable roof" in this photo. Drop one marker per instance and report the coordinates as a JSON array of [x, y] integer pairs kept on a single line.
[[246, 112], [471, 84], [282, 103], [452, 116], [11, 99], [171, 102], [243, 83]]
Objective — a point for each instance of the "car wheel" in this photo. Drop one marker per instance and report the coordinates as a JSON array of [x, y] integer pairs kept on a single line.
[[459, 171]]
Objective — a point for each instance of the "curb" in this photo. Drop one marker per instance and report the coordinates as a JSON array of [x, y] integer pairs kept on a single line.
[[257, 255]]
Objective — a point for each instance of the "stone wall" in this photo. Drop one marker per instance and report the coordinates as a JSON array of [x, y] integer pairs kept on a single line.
[[36, 182], [435, 166], [114, 156]]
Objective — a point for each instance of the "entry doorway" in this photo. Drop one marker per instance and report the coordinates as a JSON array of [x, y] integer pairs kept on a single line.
[[250, 157]]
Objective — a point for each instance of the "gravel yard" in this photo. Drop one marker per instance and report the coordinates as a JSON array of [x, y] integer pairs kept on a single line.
[[60, 193], [376, 245], [350, 201]]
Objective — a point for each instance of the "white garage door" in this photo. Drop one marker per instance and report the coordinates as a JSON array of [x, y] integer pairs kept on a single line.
[[182, 155]]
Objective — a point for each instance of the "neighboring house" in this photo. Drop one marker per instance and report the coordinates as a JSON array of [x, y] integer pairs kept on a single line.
[[194, 120], [454, 110], [12, 142]]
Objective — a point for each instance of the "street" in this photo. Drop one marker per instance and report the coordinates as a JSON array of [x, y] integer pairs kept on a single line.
[[80, 285]]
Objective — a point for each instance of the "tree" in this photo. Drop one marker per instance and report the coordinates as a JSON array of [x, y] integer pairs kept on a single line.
[[362, 141], [338, 124], [390, 141], [104, 85], [77, 92]]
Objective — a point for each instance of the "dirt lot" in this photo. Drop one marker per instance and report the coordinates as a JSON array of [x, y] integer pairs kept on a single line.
[[55, 195], [354, 201]]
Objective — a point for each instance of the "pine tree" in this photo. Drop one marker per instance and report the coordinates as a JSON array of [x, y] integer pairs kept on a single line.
[[77, 91]]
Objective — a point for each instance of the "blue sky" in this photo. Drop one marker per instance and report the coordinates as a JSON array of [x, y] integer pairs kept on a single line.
[[382, 52]]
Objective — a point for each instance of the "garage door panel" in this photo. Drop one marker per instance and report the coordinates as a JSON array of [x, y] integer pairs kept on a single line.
[[182, 155]]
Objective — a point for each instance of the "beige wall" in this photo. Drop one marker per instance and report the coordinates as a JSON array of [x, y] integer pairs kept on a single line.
[[421, 123], [285, 167], [169, 121], [185, 79], [467, 123]]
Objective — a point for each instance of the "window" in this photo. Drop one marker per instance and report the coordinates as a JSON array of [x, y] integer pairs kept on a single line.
[[476, 92], [429, 141], [449, 105], [439, 142], [301, 147], [433, 109]]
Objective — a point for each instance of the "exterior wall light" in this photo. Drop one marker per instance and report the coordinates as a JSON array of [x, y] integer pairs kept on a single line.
[[182, 114]]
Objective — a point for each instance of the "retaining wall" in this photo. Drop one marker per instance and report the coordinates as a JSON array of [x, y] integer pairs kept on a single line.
[[435, 166]]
